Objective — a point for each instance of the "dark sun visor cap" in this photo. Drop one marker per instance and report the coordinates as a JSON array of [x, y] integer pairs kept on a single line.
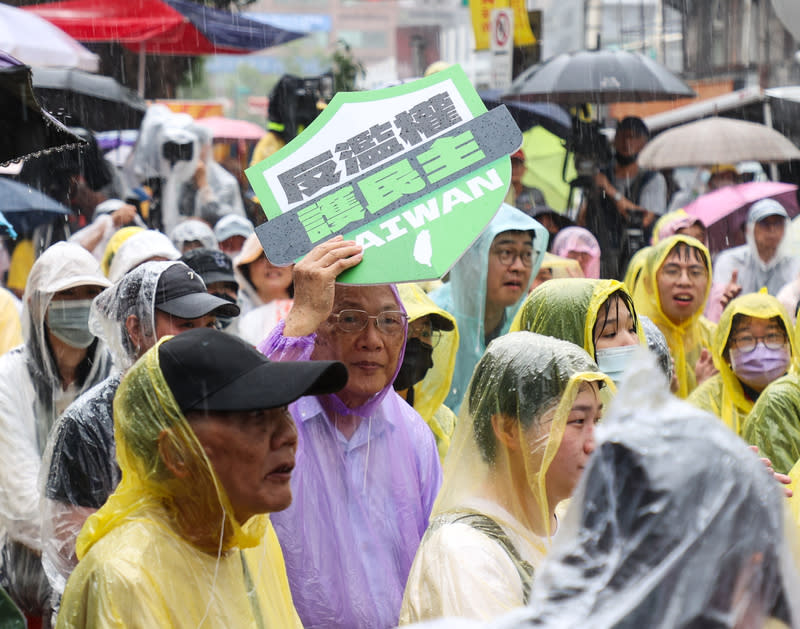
[[210, 370]]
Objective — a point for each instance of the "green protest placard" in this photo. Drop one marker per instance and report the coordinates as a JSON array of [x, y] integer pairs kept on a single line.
[[413, 173]]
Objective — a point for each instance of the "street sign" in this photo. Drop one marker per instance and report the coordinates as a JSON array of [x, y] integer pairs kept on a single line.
[[413, 173], [502, 47]]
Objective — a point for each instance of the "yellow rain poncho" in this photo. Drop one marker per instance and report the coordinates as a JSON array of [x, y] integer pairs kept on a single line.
[[687, 339], [634, 271], [567, 309], [430, 392], [167, 552], [774, 422], [722, 394], [114, 243], [493, 518]]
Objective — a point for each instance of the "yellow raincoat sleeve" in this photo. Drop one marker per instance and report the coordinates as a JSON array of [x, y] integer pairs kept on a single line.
[[774, 423], [167, 551], [10, 324]]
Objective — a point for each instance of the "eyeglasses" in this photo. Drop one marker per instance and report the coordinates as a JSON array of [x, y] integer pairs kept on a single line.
[[508, 256], [694, 272], [423, 330], [746, 343], [389, 322]]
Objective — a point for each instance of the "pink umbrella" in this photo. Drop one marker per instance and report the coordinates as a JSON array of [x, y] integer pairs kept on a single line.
[[724, 211], [232, 129]]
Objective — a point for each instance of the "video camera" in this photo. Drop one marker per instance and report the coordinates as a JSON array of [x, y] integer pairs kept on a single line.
[[592, 153]]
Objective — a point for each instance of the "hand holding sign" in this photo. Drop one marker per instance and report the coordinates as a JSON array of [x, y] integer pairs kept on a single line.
[[412, 173], [314, 283]]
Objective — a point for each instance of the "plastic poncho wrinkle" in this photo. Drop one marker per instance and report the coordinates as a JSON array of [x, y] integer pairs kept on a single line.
[[30, 397], [686, 339], [140, 247], [657, 537], [79, 470], [531, 381], [145, 413], [579, 239], [431, 391], [360, 505], [723, 395], [568, 309], [190, 230], [464, 296]]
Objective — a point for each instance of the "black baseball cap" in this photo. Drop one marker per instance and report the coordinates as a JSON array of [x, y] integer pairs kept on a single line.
[[182, 293], [211, 264], [210, 370]]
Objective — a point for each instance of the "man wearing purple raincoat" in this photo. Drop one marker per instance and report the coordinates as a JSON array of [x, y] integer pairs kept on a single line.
[[367, 466]]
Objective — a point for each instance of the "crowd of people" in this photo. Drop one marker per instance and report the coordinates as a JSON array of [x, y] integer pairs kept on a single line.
[[192, 436]]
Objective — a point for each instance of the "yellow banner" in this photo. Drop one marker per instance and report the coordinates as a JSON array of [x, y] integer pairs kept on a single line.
[[481, 11]]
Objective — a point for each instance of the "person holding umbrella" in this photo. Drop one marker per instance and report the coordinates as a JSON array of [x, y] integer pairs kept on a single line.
[[626, 196]]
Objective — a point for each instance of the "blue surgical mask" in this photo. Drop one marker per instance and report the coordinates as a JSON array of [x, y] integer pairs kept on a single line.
[[68, 320], [613, 361]]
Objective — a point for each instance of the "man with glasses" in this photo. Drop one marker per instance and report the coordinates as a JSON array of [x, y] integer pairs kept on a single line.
[[487, 285], [368, 470]]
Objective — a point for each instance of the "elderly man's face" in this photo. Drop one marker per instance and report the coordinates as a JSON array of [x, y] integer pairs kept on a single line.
[[252, 453], [370, 354]]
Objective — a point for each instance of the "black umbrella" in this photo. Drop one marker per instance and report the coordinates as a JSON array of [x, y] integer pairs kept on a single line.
[[25, 128], [81, 99], [552, 117], [597, 76], [25, 208]]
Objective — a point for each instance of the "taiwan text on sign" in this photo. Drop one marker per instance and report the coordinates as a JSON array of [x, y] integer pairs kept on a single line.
[[413, 173]]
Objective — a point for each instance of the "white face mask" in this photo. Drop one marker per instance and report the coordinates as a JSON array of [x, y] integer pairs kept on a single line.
[[68, 320], [613, 361]]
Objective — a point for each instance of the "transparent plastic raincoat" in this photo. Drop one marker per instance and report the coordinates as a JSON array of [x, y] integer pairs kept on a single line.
[[79, 469], [141, 247], [675, 523], [193, 230], [114, 243], [168, 552], [360, 506], [753, 272], [579, 240], [722, 394], [568, 309], [31, 397], [687, 339], [464, 296], [430, 392], [491, 523]]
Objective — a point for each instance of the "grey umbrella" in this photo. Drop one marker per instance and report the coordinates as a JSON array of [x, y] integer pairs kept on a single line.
[[597, 76], [716, 141]]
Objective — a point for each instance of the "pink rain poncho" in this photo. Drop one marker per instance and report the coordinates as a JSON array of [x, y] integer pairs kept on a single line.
[[580, 244], [360, 506]]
